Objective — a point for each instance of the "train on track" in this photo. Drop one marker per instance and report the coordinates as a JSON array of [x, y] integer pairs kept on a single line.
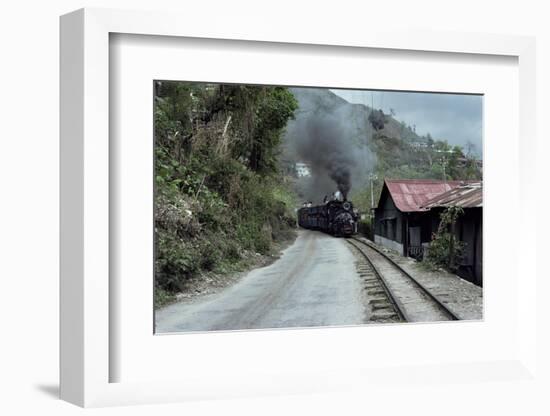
[[335, 217]]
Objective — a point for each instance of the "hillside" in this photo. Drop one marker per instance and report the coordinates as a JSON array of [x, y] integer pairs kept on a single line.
[[373, 143], [220, 203]]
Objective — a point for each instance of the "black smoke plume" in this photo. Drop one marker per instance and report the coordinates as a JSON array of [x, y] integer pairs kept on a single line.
[[323, 146], [331, 136]]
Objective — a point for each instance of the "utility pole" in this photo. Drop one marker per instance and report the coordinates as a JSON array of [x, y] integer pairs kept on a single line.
[[444, 162]]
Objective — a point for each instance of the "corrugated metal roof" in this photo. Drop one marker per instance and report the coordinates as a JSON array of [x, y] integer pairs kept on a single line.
[[469, 195], [410, 195]]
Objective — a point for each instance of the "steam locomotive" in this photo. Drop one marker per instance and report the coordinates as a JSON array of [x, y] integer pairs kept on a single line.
[[335, 217]]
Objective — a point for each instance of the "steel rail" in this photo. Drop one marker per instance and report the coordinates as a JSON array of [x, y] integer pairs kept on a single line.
[[396, 303], [432, 296]]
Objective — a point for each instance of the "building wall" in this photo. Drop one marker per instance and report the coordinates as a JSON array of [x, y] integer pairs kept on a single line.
[[391, 244], [478, 265], [469, 231], [389, 224]]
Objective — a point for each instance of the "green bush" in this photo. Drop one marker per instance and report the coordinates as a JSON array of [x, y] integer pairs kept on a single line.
[[210, 255], [446, 250], [232, 250], [162, 297], [176, 261]]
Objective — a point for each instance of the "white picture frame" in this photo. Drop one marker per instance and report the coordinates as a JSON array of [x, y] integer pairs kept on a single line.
[[85, 352]]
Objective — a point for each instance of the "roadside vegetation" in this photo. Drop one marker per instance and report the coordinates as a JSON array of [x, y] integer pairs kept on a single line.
[[221, 197]]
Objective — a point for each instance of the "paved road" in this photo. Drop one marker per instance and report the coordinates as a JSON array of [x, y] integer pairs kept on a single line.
[[314, 283]]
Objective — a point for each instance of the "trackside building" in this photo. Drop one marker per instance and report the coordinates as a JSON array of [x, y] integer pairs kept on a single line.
[[399, 220], [468, 228], [408, 212]]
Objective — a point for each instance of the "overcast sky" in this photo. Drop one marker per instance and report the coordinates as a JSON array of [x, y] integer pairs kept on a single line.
[[453, 117]]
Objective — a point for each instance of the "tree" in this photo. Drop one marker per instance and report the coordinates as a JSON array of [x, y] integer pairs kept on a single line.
[[377, 119], [429, 140], [274, 110], [470, 149]]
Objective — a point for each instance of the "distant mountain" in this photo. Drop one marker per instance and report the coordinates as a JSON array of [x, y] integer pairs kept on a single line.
[[315, 101], [392, 150], [356, 116]]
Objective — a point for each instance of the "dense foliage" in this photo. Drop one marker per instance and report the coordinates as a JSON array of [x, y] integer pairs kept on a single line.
[[219, 192], [446, 249]]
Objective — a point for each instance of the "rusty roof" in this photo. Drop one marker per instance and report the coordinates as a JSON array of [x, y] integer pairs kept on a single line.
[[410, 195], [469, 195]]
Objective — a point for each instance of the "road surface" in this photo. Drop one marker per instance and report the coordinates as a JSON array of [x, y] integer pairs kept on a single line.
[[314, 283]]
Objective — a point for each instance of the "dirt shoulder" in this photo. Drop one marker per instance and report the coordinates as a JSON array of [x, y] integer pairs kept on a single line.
[[208, 283]]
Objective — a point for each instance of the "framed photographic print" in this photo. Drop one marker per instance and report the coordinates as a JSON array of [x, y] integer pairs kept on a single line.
[[243, 172], [283, 213]]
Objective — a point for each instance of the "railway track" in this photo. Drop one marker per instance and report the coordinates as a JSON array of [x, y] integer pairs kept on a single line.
[[409, 299]]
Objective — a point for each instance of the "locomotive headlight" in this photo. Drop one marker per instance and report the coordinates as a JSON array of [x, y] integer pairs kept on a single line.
[[346, 205]]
